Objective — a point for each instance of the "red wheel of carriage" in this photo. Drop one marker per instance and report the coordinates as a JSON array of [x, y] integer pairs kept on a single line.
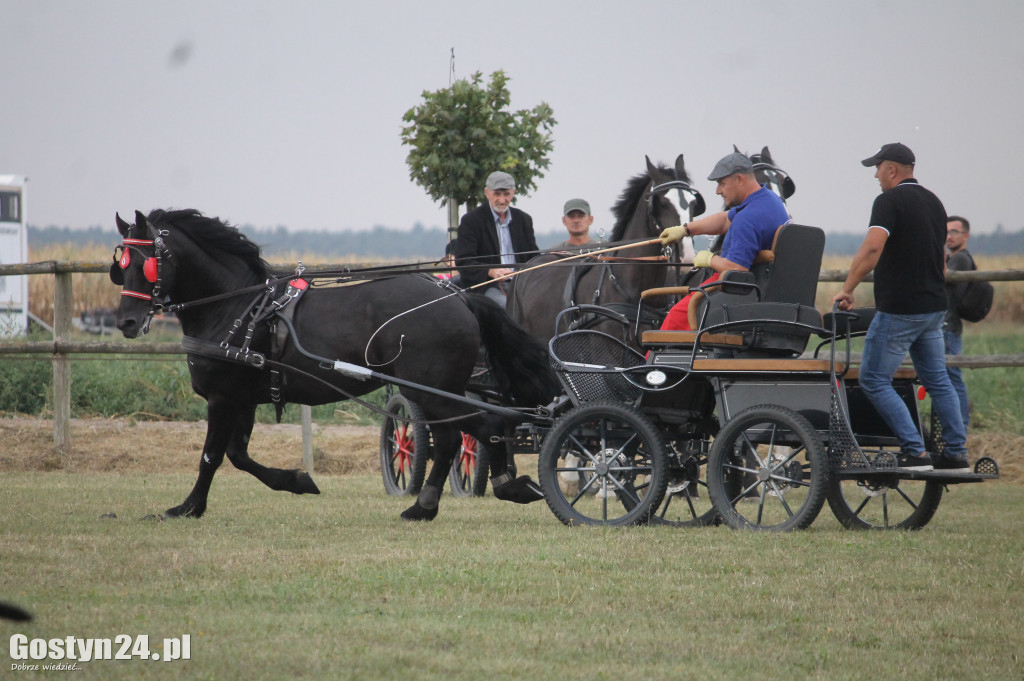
[[404, 447], [468, 476]]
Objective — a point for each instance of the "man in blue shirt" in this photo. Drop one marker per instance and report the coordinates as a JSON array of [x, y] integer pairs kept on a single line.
[[753, 214]]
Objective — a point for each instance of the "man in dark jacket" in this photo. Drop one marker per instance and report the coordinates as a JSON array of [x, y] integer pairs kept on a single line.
[[905, 248], [958, 231], [495, 235]]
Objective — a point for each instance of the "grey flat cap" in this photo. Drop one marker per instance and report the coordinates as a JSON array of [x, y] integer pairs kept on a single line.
[[730, 165], [500, 180], [575, 204]]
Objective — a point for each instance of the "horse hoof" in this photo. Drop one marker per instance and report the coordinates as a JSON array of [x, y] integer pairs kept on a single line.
[[426, 505], [522, 490], [417, 512], [303, 484], [183, 511]]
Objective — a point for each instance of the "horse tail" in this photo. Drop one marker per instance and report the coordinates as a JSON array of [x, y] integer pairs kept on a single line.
[[519, 361]]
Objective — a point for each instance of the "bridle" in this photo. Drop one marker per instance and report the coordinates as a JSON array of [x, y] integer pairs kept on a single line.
[[152, 269]]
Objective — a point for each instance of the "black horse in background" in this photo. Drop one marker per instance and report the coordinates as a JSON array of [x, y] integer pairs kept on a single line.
[[642, 211], [253, 339]]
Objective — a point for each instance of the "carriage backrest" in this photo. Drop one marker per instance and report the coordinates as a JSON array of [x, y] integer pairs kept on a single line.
[[788, 282], [792, 275]]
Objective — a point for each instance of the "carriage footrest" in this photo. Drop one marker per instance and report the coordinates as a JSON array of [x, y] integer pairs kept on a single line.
[[945, 477]]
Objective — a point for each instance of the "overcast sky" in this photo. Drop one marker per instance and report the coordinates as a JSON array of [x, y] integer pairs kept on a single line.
[[288, 113]]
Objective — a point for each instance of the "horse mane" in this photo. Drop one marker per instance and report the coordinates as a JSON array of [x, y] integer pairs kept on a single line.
[[212, 234], [628, 201]]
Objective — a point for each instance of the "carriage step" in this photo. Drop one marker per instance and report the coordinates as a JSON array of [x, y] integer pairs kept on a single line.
[[985, 468]]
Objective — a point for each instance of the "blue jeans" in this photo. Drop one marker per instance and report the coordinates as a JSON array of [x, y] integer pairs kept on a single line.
[[889, 338], [955, 346]]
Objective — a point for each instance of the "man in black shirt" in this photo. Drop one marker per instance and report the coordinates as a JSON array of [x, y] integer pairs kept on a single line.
[[905, 246], [958, 231]]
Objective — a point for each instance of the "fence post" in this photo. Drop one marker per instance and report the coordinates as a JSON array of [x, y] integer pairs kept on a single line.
[[307, 437], [63, 303]]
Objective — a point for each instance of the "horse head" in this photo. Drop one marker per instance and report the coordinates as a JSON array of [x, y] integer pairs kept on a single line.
[[644, 208], [172, 258], [766, 171], [139, 267], [688, 196]]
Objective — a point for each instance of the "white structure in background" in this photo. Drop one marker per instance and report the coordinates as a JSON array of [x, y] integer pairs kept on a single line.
[[13, 250]]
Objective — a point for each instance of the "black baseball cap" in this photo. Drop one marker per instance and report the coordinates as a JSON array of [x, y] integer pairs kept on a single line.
[[895, 152]]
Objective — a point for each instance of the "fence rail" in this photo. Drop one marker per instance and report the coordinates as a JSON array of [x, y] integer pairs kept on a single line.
[[62, 346]]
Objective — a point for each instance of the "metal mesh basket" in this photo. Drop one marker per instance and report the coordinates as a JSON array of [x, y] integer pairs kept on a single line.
[[590, 363]]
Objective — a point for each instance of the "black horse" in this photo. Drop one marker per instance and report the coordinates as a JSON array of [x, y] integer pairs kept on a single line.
[[253, 338], [642, 211]]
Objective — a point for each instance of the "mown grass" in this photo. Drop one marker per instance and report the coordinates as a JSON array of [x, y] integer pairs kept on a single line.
[[273, 586]]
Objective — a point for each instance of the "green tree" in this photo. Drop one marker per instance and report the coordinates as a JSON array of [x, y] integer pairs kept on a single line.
[[461, 134]]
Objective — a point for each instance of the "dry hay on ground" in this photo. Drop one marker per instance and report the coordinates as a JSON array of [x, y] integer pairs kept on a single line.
[[124, 446], [120, 445]]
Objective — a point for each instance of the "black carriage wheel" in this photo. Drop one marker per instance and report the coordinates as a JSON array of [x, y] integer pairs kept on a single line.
[[404, 447], [687, 502], [889, 504], [603, 464], [468, 476], [766, 470]]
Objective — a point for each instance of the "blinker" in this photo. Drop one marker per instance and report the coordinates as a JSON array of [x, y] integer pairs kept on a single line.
[[116, 275]]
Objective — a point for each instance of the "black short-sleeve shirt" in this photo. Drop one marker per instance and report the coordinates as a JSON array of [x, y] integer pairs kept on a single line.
[[909, 277]]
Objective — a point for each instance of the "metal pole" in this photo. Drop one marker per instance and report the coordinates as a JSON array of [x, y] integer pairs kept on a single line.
[[453, 219]]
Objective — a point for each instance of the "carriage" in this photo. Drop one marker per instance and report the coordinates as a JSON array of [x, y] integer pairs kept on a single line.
[[738, 422], [734, 422]]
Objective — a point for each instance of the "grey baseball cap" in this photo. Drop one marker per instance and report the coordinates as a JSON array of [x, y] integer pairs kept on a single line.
[[730, 165], [575, 204], [894, 151], [500, 180]]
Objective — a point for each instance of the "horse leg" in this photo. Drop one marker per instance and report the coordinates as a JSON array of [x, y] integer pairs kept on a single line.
[[446, 441], [295, 480], [218, 432], [521, 490]]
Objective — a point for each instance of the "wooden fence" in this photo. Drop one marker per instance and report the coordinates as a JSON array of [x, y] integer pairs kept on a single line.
[[62, 346]]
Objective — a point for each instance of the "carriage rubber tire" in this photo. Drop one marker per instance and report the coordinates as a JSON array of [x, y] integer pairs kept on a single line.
[[721, 483], [478, 486], [414, 475], [921, 513], [626, 419]]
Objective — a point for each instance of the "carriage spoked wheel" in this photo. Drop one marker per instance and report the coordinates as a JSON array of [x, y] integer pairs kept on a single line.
[[886, 503], [468, 475], [404, 447], [767, 470], [603, 464], [687, 502]]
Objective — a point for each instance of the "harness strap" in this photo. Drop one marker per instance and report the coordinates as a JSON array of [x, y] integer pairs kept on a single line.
[[200, 346]]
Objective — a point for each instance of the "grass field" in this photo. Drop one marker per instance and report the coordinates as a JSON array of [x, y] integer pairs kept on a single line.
[[273, 586]]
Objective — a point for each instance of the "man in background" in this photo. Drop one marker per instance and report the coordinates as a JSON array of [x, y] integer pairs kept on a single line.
[[958, 231], [494, 237], [577, 218]]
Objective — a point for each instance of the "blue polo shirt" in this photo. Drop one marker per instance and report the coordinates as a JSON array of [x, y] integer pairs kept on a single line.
[[752, 226]]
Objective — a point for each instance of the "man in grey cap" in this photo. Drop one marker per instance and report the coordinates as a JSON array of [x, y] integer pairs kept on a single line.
[[753, 214], [905, 246], [493, 238], [577, 219]]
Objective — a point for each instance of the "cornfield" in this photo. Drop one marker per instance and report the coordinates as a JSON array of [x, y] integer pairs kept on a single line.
[[92, 291]]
